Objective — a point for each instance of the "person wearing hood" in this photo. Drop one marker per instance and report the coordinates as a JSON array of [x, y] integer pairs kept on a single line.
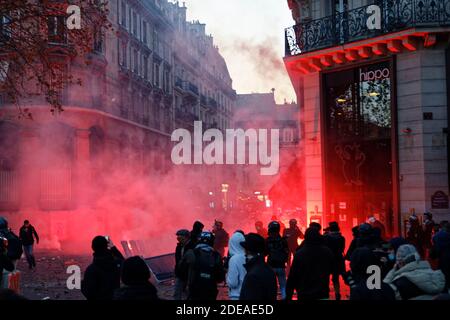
[[135, 276], [260, 282], [197, 230], [361, 259], [205, 269], [236, 270], [102, 276], [413, 278], [336, 242], [311, 269]]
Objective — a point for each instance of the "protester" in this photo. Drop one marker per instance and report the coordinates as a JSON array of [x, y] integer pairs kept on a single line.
[[135, 276], [259, 226], [441, 250], [353, 244], [292, 235], [15, 249], [260, 282], [5, 262], [205, 269], [221, 238], [102, 277], [282, 226], [311, 269], [413, 278], [277, 255], [197, 230], [184, 244], [428, 229], [236, 269], [414, 235], [316, 225], [377, 224], [361, 260], [27, 234], [336, 242]]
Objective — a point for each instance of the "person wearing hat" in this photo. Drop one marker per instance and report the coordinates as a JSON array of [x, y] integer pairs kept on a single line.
[[184, 244], [311, 269], [260, 282], [413, 278], [135, 276], [336, 242], [292, 235], [205, 269]]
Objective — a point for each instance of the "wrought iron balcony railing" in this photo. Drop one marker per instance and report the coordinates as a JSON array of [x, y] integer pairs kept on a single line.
[[350, 26]]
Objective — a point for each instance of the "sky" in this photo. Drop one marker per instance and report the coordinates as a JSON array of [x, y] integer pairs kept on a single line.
[[250, 36]]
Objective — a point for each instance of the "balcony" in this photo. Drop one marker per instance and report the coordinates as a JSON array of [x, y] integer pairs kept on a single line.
[[192, 88], [351, 26]]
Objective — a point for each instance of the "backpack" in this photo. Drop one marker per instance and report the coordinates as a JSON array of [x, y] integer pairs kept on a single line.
[[277, 250], [15, 249], [206, 274]]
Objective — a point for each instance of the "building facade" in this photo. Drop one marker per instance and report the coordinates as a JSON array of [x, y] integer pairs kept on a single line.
[[275, 193], [151, 73], [372, 78]]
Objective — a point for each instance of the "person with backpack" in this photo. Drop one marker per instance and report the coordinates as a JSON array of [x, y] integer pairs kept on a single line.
[[277, 250], [205, 269], [260, 282], [102, 276], [15, 251], [336, 242], [27, 234]]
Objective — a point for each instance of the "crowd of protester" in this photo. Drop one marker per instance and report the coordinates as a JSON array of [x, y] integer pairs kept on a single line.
[[269, 264]]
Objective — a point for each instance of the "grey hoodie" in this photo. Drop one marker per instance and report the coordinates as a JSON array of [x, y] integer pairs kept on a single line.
[[236, 270]]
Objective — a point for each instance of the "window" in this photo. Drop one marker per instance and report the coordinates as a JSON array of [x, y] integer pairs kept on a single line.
[[166, 80], [144, 32], [157, 75], [123, 11], [134, 21], [288, 135], [56, 29], [145, 66], [123, 54], [5, 28], [135, 61]]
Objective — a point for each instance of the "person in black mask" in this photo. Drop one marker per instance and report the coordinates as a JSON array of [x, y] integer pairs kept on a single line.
[[102, 276]]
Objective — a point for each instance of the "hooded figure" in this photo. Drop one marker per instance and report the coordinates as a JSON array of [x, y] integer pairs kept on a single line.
[[236, 269], [135, 277], [197, 229], [311, 268], [412, 278]]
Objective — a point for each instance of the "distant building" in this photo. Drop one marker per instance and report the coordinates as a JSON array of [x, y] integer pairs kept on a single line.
[[260, 111]]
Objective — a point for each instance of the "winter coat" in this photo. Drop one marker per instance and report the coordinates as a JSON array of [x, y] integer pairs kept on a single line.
[[204, 291], [236, 269], [5, 263], [180, 251], [221, 241], [310, 272], [260, 283], [277, 251], [27, 235], [336, 242], [145, 291], [292, 235], [416, 280], [102, 277], [441, 251]]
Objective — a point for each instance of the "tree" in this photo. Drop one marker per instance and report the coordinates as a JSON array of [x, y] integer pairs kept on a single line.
[[38, 41]]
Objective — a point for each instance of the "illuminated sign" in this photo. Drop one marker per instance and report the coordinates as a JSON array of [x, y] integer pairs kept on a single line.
[[372, 75]]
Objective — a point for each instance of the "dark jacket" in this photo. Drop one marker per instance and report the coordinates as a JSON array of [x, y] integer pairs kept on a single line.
[[292, 235], [260, 282], [221, 240], [310, 272], [180, 251], [336, 242], [27, 235], [5, 263], [145, 291], [441, 251], [277, 250], [102, 277]]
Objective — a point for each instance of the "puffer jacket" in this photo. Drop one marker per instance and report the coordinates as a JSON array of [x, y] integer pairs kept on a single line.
[[416, 280], [236, 270]]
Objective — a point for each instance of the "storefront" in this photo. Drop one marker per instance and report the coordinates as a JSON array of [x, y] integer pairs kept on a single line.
[[359, 149]]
